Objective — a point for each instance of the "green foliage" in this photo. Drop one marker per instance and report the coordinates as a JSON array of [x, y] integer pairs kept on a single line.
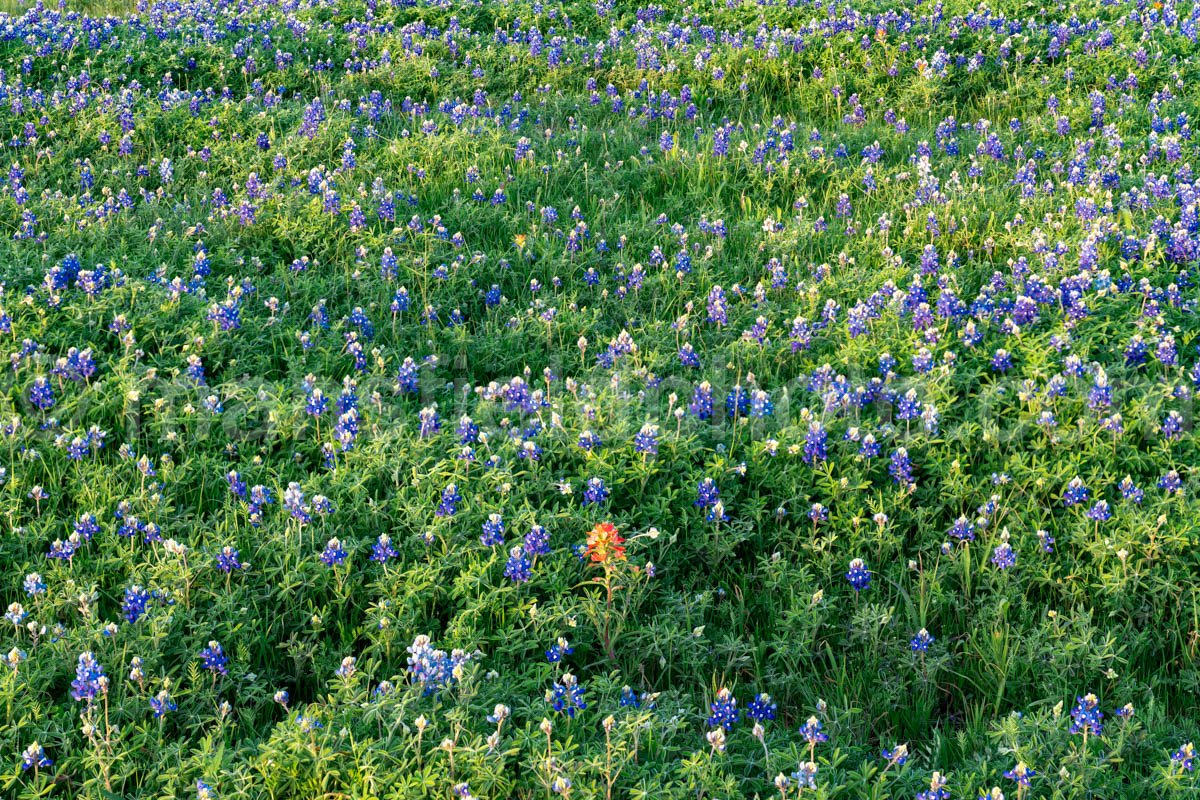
[[751, 596]]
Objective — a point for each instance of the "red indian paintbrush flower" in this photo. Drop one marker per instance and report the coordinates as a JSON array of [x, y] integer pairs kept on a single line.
[[604, 543]]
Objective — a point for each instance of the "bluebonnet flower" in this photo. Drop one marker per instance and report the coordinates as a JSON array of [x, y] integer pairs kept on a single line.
[[136, 673], [815, 444], [897, 755], [812, 732], [1185, 757], [1173, 424], [518, 568], [801, 335], [334, 553], [90, 680], [499, 713], [1099, 512], [760, 404], [858, 575], [78, 365], [293, 501], [1076, 492], [757, 333], [762, 708], [162, 704], [237, 486], [718, 311], [129, 527], [1170, 482], [35, 756], [1100, 395], [688, 356], [1045, 541], [707, 493], [559, 650], [430, 422], [537, 542], [900, 467], [134, 604], [1136, 351], [314, 115], [716, 513], [41, 394], [566, 696], [1021, 774], [1003, 555], [347, 669], [737, 402], [86, 527], [78, 449], [260, 497], [213, 659], [720, 146], [467, 430], [1086, 716], [937, 789], [16, 614], [869, 447], [308, 724], [195, 369], [63, 551], [15, 657], [204, 791], [920, 643], [645, 441], [702, 401], [33, 584], [227, 560], [724, 710], [962, 530], [493, 530], [923, 361], [407, 375], [595, 491], [383, 551], [805, 777], [448, 505], [908, 406], [321, 504], [316, 404], [589, 441]]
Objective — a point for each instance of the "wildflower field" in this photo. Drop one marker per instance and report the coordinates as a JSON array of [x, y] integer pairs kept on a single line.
[[517, 399]]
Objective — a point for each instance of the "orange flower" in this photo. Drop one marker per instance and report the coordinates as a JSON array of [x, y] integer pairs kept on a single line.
[[519, 241], [604, 543]]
